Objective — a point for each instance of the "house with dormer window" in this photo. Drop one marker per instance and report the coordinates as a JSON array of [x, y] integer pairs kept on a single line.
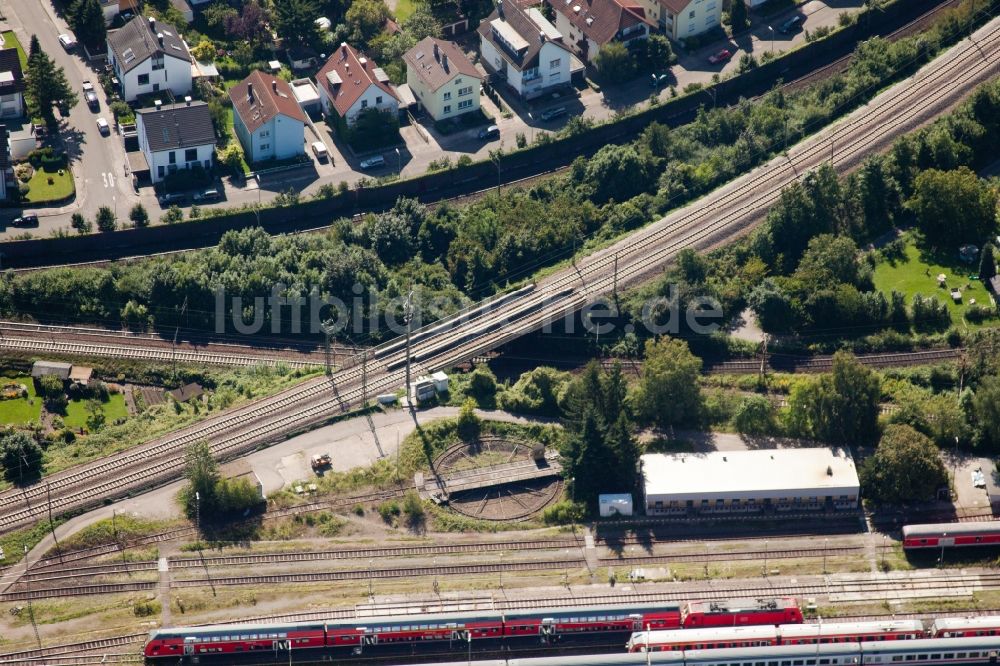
[[267, 118], [176, 136], [589, 25], [350, 83], [442, 79], [521, 48], [148, 56]]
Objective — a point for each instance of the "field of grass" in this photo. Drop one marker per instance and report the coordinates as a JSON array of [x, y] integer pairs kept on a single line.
[[76, 411], [10, 41], [917, 274], [404, 8], [40, 191], [22, 410]]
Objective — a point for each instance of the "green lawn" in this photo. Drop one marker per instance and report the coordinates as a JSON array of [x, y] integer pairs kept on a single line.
[[404, 8], [76, 411], [10, 41], [917, 274], [23, 410], [41, 192]]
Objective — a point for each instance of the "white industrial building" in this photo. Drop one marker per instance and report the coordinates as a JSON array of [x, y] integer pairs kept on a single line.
[[750, 481]]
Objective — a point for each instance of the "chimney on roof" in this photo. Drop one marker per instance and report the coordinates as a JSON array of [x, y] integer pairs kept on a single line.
[[159, 38], [444, 61], [343, 49], [157, 103], [437, 52], [187, 100], [152, 22], [274, 85], [250, 92], [541, 36]]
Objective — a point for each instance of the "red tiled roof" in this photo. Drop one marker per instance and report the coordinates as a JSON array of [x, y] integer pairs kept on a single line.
[[675, 6], [355, 78], [271, 96], [601, 20], [439, 67]]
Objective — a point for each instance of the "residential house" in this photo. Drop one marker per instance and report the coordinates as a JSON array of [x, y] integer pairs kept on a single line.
[[148, 56], [349, 83], [589, 25], [681, 19], [267, 118], [520, 46], [11, 84], [443, 80], [175, 136], [7, 181]]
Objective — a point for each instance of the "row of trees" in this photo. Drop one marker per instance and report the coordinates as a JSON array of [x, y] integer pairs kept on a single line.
[[209, 497]]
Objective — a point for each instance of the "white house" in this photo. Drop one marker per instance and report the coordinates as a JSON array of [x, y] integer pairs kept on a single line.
[[6, 170], [443, 80], [267, 118], [591, 24], [176, 136], [524, 49], [349, 83], [148, 56], [11, 84], [687, 18]]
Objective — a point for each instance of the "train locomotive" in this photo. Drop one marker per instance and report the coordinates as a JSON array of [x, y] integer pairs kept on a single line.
[[461, 633]]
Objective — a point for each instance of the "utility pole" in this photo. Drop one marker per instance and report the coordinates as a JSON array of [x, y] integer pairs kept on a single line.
[[52, 527], [176, 330], [407, 318], [31, 610], [327, 329]]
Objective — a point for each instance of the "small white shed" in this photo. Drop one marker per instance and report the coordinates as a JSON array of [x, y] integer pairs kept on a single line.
[[617, 504]]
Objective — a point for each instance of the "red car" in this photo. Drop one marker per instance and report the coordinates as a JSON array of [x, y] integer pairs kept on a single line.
[[721, 56]]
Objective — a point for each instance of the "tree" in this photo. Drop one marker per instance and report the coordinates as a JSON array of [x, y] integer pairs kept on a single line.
[[95, 415], [659, 54], [204, 51], [587, 462], [536, 391], [87, 20], [390, 237], [830, 260], [231, 157], [80, 223], [202, 474], [105, 219], [987, 264], [483, 384], [619, 173], [174, 214], [250, 24], [754, 416], [50, 386], [668, 393], [139, 216], [953, 207], [365, 19], [840, 407], [773, 307], [421, 23], [738, 19], [21, 457], [986, 411], [295, 22], [46, 86], [468, 422], [615, 63], [34, 48], [906, 466]]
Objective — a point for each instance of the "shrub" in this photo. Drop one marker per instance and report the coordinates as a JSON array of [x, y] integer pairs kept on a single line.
[[469, 424], [564, 513], [24, 172], [388, 510], [413, 508]]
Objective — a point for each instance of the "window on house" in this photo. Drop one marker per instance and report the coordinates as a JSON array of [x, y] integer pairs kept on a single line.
[[554, 64], [465, 104], [710, 20], [458, 81], [159, 171], [156, 87], [265, 146], [378, 100], [144, 79], [447, 108], [364, 104], [467, 90], [265, 133], [691, 14], [191, 155], [447, 96], [172, 157]]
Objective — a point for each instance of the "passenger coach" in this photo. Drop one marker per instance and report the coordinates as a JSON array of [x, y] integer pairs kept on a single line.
[[951, 535]]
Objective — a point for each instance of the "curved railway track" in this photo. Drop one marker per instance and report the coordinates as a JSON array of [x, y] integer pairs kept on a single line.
[[728, 212]]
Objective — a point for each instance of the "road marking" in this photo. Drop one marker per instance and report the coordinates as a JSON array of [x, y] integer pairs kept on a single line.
[[108, 178]]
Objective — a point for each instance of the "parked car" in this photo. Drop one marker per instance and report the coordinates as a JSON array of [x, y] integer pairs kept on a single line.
[[27, 220], [90, 96], [373, 162], [321, 461], [721, 56], [488, 133], [103, 127], [549, 114], [320, 151], [68, 41], [207, 196], [171, 198], [791, 25]]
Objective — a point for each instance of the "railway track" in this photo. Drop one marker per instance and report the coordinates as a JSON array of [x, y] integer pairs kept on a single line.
[[57, 651], [726, 213]]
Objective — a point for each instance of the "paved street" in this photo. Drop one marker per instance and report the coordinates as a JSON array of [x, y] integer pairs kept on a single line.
[[99, 161]]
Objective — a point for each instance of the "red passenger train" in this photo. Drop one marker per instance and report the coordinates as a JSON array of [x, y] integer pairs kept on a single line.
[[460, 632], [951, 535]]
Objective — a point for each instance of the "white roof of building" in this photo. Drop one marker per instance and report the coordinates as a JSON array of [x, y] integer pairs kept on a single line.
[[305, 91], [543, 24], [510, 35], [729, 474]]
